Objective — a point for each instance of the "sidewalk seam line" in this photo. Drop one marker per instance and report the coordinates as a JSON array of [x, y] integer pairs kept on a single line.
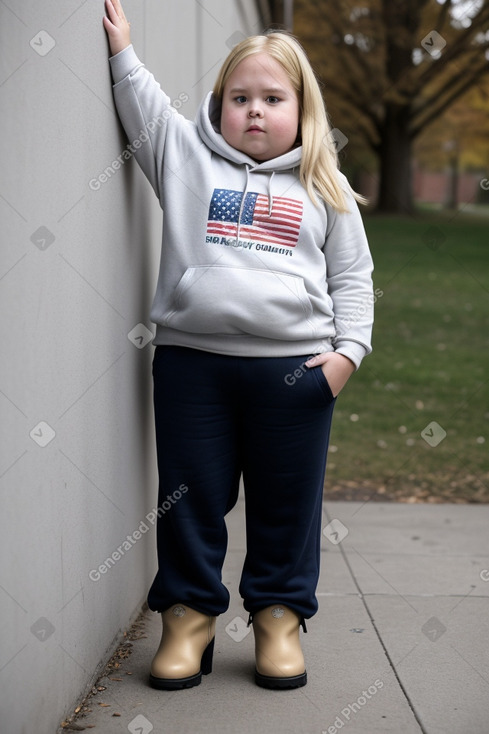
[[386, 652]]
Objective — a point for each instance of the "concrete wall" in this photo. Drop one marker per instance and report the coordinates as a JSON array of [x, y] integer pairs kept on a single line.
[[77, 273]]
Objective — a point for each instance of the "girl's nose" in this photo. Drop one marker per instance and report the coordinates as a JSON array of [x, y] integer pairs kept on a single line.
[[255, 111]]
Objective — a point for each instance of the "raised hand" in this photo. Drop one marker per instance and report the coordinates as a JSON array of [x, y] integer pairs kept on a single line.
[[116, 26]]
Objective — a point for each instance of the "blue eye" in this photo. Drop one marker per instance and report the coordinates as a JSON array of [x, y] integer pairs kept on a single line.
[[272, 99], [241, 99]]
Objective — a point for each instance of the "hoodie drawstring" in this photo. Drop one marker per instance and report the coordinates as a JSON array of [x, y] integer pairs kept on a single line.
[[270, 198], [243, 201]]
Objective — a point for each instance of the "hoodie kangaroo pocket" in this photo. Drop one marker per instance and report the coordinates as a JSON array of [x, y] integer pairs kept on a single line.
[[222, 300]]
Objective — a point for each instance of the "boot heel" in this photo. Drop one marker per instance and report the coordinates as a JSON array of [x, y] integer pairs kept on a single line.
[[206, 662]]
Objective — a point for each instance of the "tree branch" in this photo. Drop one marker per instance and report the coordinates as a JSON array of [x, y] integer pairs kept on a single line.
[[359, 69], [462, 73], [352, 88], [443, 16], [366, 126], [351, 102], [455, 49], [466, 82]]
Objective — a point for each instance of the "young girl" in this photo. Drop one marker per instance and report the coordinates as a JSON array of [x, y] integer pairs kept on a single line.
[[263, 310]]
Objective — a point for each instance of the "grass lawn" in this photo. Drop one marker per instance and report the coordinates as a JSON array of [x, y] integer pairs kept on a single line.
[[430, 364]]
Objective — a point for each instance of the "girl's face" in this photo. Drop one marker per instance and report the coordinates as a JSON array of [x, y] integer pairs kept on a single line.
[[260, 109]]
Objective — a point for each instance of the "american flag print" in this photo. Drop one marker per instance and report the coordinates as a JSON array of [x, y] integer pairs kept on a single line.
[[281, 226]]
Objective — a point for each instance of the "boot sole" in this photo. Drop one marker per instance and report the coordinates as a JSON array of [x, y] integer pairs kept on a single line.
[[268, 681], [176, 684]]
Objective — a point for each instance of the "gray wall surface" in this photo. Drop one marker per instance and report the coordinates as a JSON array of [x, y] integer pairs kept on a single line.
[[78, 267]]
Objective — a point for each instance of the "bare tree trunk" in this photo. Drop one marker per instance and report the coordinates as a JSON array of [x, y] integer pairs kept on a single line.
[[395, 194], [276, 11], [395, 189], [451, 199], [288, 19]]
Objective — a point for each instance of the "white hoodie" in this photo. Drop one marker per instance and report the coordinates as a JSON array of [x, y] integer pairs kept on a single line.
[[249, 265]]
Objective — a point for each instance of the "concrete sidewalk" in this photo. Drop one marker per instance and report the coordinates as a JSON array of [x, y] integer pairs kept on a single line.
[[400, 643]]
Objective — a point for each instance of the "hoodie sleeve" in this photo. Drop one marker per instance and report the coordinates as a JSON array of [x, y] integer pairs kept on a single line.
[[349, 274], [145, 112]]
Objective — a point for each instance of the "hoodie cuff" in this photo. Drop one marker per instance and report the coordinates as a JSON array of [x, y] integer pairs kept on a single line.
[[354, 351], [123, 63]]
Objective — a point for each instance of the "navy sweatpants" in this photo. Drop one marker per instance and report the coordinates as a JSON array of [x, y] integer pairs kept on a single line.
[[216, 417]]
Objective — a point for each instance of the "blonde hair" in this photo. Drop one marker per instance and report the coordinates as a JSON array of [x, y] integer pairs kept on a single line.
[[319, 161]]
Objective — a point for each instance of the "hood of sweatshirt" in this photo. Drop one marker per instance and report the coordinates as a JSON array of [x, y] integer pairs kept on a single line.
[[208, 125]]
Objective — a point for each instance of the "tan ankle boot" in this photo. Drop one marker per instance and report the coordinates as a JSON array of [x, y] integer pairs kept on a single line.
[[186, 648], [279, 658]]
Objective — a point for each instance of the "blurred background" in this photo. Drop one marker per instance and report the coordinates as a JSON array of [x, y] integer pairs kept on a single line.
[[406, 86]]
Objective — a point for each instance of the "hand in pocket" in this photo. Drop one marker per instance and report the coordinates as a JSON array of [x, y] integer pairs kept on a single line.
[[336, 368]]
